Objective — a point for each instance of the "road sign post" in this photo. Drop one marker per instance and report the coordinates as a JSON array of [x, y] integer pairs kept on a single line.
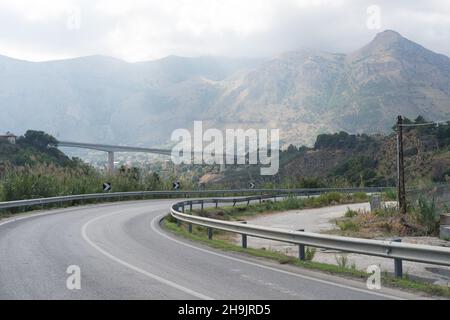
[[176, 185], [107, 187]]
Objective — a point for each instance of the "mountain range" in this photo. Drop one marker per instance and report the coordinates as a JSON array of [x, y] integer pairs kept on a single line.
[[303, 93]]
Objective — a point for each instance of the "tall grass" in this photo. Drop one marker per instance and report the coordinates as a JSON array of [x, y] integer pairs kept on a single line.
[[50, 180], [428, 215]]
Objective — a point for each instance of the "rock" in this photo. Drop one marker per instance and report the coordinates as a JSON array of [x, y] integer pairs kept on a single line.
[[445, 227], [375, 203], [445, 233]]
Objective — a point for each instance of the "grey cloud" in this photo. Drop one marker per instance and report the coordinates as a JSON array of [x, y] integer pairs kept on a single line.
[[328, 28]]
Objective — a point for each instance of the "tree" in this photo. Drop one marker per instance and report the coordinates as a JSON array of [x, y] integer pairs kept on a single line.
[[292, 149], [39, 140]]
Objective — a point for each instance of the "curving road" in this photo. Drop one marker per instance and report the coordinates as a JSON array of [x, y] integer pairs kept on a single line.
[[124, 254]]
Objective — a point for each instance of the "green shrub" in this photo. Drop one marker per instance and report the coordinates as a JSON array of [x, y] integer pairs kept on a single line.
[[291, 203], [360, 196], [348, 225], [428, 215], [342, 260], [386, 212], [310, 252], [350, 213], [390, 194], [171, 219], [333, 197]]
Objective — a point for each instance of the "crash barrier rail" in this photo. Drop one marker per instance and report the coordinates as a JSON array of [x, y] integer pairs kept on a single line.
[[183, 212], [187, 193]]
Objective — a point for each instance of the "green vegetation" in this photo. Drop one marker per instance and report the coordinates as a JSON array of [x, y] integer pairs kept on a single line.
[[422, 219], [360, 171], [310, 253], [343, 140], [50, 180], [349, 160], [350, 213], [390, 194], [427, 215], [35, 168], [34, 148], [348, 225], [199, 235], [342, 260]]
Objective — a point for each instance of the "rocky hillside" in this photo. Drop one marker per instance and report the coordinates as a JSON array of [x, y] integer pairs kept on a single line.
[[342, 159], [304, 93]]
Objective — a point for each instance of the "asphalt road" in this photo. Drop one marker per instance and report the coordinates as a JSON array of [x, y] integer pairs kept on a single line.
[[124, 254]]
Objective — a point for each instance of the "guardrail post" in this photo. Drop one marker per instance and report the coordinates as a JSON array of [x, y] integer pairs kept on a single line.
[[217, 204], [190, 206], [302, 252], [244, 237], [301, 249], [190, 224], [203, 204], [398, 264], [210, 233]]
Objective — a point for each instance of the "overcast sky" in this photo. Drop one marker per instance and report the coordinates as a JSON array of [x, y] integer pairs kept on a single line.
[[136, 30]]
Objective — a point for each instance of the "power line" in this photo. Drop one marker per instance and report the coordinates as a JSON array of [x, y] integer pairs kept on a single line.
[[435, 123]]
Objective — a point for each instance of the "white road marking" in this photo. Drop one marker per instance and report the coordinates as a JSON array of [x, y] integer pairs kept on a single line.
[[134, 268], [11, 220], [155, 229]]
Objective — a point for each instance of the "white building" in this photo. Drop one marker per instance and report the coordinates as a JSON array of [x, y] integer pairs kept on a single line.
[[9, 137]]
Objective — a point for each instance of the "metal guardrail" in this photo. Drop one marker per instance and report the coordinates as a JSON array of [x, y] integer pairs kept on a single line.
[[386, 249], [97, 196]]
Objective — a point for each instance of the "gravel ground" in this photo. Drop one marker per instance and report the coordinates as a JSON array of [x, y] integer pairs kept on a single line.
[[322, 219]]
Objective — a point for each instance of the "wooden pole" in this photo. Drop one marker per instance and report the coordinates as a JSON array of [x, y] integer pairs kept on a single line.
[[401, 192]]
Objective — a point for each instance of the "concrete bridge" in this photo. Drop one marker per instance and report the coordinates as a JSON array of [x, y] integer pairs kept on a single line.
[[110, 149]]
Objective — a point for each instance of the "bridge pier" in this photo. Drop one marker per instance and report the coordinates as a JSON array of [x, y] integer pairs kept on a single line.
[[110, 161]]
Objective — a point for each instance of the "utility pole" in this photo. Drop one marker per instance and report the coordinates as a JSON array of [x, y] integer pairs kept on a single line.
[[401, 193]]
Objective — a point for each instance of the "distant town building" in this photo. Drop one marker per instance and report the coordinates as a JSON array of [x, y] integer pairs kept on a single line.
[[8, 137]]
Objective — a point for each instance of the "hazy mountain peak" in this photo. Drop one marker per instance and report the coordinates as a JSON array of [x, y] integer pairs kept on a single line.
[[388, 36], [386, 41], [388, 44], [304, 92]]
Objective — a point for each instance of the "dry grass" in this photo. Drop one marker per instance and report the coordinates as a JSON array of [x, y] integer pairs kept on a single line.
[[382, 223]]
